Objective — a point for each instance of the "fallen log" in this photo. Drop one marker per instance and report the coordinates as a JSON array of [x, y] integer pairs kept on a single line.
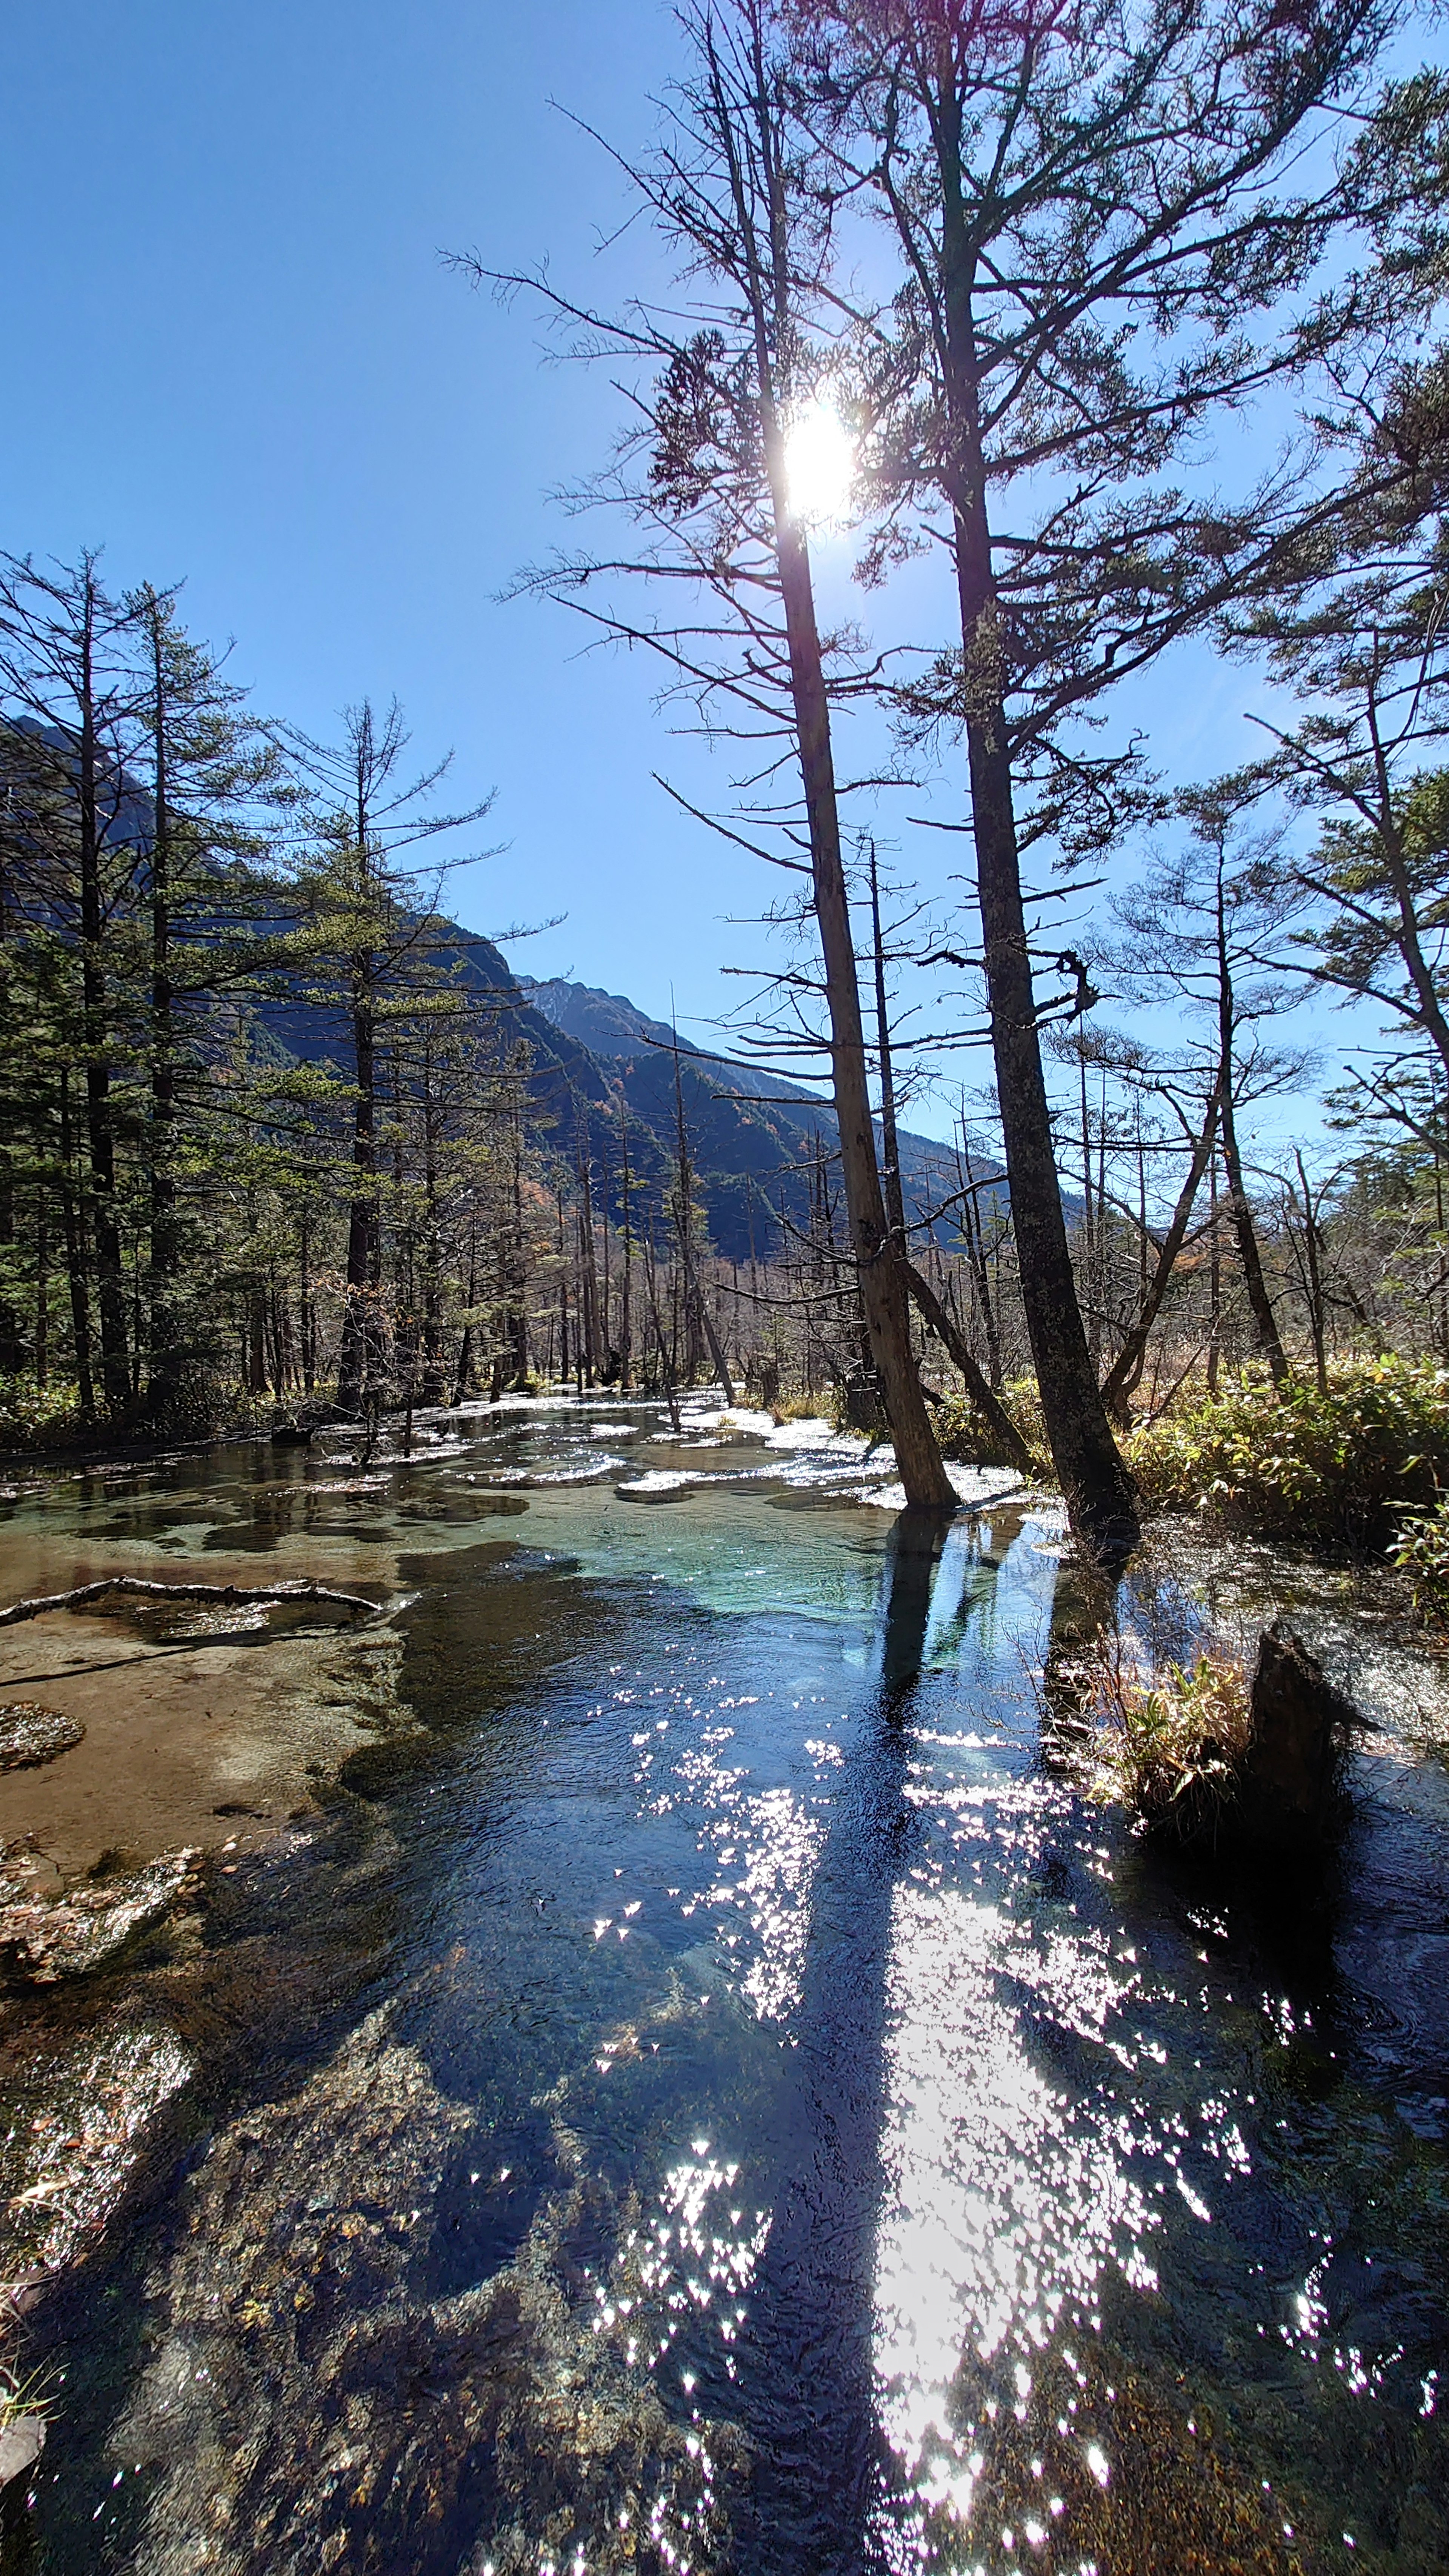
[[225, 1593]]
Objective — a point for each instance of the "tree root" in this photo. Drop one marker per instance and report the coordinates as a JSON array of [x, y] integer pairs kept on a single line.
[[222, 1592]]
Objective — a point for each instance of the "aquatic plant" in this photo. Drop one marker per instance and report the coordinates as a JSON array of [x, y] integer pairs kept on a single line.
[[1337, 1467], [1169, 1744]]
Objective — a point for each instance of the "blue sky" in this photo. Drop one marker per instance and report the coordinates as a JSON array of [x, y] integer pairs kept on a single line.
[[234, 355]]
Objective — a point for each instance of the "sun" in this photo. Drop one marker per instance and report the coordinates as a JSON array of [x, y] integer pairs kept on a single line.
[[820, 464]]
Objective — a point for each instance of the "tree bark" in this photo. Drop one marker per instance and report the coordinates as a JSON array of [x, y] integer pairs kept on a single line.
[[77, 1274], [110, 1282], [1265, 1321], [165, 1359], [1098, 1491], [882, 1284], [363, 1247]]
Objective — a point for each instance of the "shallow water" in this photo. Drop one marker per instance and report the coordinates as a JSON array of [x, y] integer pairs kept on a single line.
[[715, 2096]]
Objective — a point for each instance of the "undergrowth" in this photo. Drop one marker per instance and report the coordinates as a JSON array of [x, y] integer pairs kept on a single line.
[[37, 1417], [1341, 1468], [1422, 1557], [1170, 1747], [964, 1435]]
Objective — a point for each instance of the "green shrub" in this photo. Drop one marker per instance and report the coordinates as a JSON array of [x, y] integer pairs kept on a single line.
[[1171, 1747], [965, 1437], [1422, 1554], [1340, 1468], [37, 1417]]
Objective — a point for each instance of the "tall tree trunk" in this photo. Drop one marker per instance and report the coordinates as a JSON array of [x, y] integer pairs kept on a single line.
[[626, 1343], [1099, 1494], [105, 1225], [75, 1260], [363, 1245], [882, 1286], [1313, 1279], [1125, 1374], [165, 1358], [975, 1242], [42, 1289], [890, 1149], [434, 1386], [1265, 1322], [1215, 1281]]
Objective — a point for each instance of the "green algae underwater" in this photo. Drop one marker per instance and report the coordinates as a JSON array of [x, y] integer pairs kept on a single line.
[[694, 2086]]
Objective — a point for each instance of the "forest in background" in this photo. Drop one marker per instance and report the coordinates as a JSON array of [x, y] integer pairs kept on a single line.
[[272, 1143]]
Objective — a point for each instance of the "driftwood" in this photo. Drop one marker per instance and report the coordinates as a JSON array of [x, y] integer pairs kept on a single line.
[[222, 1592]]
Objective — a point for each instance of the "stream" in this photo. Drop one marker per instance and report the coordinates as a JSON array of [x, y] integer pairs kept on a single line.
[[684, 2079]]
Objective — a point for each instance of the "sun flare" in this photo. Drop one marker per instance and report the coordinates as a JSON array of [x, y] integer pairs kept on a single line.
[[820, 464]]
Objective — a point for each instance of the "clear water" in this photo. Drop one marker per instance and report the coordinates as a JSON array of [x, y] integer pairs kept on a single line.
[[717, 2098]]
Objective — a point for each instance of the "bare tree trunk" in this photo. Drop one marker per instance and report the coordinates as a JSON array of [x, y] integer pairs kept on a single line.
[[1215, 1282], [77, 1274], [890, 1149], [1100, 1498], [626, 1343], [1313, 1280], [1125, 1374], [165, 1357], [882, 1285], [105, 1228], [363, 1247], [1098, 1490]]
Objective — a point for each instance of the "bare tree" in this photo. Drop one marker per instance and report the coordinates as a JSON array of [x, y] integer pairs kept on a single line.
[[708, 478]]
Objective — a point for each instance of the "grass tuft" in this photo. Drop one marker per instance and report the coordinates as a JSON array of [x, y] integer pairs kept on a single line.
[[1170, 1746]]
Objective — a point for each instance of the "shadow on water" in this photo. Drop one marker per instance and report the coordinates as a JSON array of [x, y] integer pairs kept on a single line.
[[1091, 2202], [818, 2474]]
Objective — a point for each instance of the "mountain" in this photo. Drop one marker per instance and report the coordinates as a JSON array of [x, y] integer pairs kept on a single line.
[[606, 1023], [603, 1072], [754, 1140]]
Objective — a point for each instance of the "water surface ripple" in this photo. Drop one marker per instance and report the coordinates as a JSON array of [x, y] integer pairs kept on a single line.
[[714, 2097]]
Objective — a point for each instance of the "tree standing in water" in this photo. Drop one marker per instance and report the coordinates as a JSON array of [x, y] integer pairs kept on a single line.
[[715, 495], [1111, 233]]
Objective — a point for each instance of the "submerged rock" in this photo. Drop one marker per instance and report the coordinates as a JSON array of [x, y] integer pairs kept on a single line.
[[22, 2439], [314, 2404], [31, 1734], [43, 1940]]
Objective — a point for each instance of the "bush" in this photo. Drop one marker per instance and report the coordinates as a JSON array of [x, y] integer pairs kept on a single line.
[[1422, 1554], [37, 1417], [1340, 1468], [965, 1437]]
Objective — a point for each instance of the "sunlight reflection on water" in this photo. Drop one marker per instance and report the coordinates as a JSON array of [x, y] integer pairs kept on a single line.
[[1005, 2201], [867, 2124]]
